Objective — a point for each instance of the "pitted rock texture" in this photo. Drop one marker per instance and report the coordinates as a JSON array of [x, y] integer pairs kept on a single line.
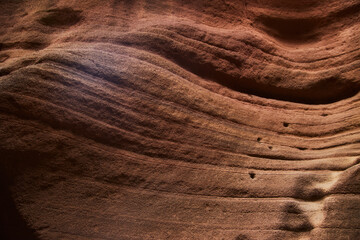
[[180, 119]]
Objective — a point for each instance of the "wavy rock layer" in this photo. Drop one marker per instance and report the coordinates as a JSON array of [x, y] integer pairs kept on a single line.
[[180, 119]]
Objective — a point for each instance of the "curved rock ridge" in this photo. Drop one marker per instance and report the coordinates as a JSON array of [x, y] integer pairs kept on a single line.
[[180, 119]]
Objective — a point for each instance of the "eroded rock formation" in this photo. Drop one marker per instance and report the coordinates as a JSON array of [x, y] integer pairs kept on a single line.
[[180, 119]]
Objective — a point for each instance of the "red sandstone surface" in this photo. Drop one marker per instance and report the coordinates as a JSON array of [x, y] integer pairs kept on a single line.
[[150, 119]]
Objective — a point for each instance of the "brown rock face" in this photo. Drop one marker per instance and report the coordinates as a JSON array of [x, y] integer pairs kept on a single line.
[[180, 119]]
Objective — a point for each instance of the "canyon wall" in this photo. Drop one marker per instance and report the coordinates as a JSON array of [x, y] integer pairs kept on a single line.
[[180, 119]]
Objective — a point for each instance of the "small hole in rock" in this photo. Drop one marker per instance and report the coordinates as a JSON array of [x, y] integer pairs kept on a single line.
[[258, 139], [324, 114], [285, 124], [241, 237], [252, 175], [270, 147]]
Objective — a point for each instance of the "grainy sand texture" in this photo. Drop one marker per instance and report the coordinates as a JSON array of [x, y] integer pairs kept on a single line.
[[180, 119]]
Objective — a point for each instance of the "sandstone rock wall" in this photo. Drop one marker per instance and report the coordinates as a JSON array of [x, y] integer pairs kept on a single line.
[[180, 119]]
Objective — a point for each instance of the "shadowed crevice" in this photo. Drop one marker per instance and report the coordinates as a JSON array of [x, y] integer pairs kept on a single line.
[[60, 17], [12, 224]]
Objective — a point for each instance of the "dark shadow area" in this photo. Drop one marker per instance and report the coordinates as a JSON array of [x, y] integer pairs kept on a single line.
[[303, 30], [294, 219], [324, 91], [61, 17], [290, 30], [12, 224]]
